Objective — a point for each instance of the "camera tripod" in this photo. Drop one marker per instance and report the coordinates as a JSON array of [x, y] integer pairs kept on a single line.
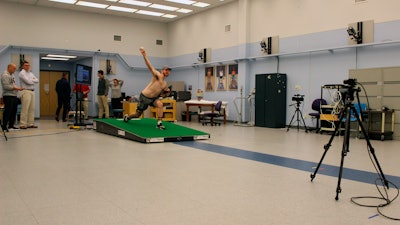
[[345, 113], [298, 115], [4, 132]]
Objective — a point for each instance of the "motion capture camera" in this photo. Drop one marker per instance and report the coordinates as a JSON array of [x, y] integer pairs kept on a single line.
[[298, 98], [351, 82]]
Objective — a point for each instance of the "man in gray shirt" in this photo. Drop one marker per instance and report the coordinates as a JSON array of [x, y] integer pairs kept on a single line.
[[10, 91]]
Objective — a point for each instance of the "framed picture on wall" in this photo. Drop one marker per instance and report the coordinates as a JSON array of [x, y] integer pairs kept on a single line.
[[221, 78], [209, 79], [233, 77]]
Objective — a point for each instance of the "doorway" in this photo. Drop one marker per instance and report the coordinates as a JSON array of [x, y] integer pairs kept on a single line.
[[48, 94]]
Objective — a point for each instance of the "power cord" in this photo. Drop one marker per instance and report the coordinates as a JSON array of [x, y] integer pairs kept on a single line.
[[384, 194]]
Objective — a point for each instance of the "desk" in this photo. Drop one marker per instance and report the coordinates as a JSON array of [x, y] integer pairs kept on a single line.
[[206, 103]]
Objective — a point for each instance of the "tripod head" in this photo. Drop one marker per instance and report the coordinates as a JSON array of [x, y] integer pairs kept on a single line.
[[350, 84], [298, 98]]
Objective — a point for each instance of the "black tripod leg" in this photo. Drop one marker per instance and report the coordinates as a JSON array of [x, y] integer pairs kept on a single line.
[[345, 150], [291, 122], [371, 149], [304, 123], [4, 133], [327, 146]]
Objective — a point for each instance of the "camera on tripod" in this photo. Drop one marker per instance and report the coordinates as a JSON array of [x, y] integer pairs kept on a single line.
[[298, 98], [351, 82]]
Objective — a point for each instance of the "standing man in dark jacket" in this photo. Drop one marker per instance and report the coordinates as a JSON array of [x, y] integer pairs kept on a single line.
[[63, 90]]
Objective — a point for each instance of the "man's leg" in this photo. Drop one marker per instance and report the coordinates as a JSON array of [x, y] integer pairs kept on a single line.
[[160, 113], [31, 111], [25, 101], [59, 105], [105, 105], [101, 107], [13, 116], [65, 109], [85, 106]]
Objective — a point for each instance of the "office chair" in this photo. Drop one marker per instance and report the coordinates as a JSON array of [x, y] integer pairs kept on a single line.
[[207, 117], [362, 115], [316, 106]]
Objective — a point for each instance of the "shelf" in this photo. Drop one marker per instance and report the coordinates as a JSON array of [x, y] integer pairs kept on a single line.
[[168, 114]]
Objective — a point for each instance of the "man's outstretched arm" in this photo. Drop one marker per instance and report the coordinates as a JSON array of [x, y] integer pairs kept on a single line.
[[148, 63]]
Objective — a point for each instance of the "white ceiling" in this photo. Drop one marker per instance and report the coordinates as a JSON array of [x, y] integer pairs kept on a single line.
[[46, 3]]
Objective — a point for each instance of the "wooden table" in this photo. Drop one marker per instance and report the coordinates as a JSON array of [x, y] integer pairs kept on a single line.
[[206, 103]]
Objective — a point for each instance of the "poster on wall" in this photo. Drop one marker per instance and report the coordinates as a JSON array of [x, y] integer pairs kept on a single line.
[[233, 77], [221, 78], [108, 66], [18, 59], [209, 79]]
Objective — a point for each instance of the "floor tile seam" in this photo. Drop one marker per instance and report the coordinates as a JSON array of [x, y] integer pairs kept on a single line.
[[307, 166]]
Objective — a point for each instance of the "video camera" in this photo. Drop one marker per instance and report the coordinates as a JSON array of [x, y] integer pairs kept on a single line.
[[351, 82], [298, 98]]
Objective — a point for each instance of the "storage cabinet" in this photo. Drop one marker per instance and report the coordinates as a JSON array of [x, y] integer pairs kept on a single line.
[[169, 110], [270, 100], [380, 124]]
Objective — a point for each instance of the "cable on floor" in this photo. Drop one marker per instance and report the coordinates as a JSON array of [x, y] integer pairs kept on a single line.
[[384, 194]]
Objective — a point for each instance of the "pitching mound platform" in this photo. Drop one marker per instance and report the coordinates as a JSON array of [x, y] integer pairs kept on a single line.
[[144, 130]]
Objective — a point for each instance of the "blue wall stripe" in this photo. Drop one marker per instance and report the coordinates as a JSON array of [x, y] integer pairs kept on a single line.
[[350, 174]]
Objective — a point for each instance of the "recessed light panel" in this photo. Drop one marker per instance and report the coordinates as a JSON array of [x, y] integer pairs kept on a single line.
[[121, 9], [201, 4], [184, 10], [64, 1], [186, 2], [92, 4], [163, 7], [149, 13], [134, 2], [170, 16]]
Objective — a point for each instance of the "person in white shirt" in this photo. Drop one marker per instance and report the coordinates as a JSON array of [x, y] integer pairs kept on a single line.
[[27, 81]]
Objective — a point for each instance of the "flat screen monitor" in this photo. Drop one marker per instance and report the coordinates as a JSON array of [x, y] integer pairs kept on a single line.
[[83, 74]]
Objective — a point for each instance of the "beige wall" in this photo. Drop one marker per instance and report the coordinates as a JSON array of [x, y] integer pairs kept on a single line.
[[265, 18], [204, 30], [25, 25]]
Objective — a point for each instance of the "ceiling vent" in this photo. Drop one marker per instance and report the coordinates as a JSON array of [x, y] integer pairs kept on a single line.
[[117, 38], [360, 1]]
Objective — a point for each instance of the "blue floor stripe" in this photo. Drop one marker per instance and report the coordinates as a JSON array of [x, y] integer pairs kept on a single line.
[[350, 174]]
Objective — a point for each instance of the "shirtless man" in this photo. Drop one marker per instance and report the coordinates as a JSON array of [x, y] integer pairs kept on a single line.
[[151, 93]]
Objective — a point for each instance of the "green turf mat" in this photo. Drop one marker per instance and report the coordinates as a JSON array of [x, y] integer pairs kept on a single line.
[[146, 128]]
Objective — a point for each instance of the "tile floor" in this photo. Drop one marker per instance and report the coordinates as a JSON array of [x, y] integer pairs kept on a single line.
[[56, 176]]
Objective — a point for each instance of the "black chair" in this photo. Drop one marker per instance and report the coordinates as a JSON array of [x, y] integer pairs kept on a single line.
[[208, 117], [316, 106]]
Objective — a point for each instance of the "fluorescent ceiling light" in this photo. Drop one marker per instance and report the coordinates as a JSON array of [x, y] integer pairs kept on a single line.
[[163, 7], [170, 16], [55, 58], [92, 4], [149, 13], [134, 2], [201, 4], [122, 9], [64, 1], [62, 56], [112, 0], [186, 2], [184, 10]]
